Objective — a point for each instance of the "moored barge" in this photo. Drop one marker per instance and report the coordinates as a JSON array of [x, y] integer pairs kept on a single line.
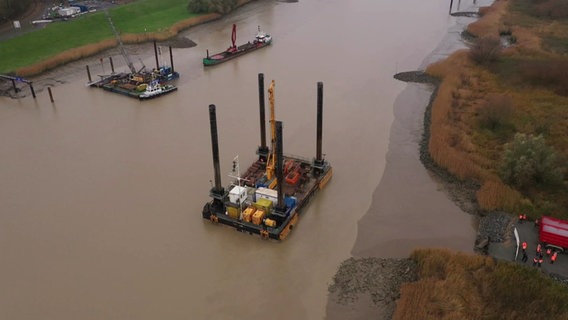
[[268, 198], [261, 40]]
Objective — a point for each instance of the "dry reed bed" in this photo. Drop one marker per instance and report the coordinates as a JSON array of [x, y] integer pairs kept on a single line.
[[463, 90], [91, 49], [461, 286]]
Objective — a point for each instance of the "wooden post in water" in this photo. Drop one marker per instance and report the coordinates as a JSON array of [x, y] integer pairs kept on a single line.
[[89, 74], [451, 4], [111, 64], [32, 89], [171, 59], [156, 54], [50, 94]]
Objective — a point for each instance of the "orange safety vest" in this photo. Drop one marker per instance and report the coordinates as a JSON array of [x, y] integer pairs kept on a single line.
[[548, 251], [540, 260], [524, 245], [554, 256], [535, 260]]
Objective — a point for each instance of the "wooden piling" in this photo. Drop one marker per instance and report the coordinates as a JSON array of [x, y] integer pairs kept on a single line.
[[50, 94], [32, 89], [89, 74], [451, 4], [171, 59], [156, 54], [111, 64]]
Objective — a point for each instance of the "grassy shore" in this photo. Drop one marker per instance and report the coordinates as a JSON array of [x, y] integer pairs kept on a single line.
[[460, 286], [61, 42], [522, 89]]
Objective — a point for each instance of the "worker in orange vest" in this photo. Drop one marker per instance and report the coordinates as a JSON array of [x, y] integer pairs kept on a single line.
[[525, 257], [520, 218], [535, 261], [538, 249], [524, 245], [525, 216], [553, 258], [548, 252], [540, 261]]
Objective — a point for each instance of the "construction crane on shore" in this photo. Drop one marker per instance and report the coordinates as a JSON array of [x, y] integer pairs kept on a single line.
[[120, 44]]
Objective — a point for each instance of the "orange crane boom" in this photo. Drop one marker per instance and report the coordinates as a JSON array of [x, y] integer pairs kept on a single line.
[[272, 155]]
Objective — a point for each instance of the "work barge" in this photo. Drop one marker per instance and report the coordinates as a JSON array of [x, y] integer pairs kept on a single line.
[[268, 198], [138, 83]]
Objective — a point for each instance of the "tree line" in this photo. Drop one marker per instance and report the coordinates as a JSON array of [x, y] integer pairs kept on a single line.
[[205, 6], [10, 9]]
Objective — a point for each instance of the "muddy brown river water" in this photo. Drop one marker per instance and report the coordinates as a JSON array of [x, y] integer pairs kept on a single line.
[[101, 195]]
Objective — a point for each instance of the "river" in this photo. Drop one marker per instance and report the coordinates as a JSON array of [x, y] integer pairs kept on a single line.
[[101, 195]]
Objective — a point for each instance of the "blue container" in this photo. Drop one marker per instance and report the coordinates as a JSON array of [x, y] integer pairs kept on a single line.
[[290, 202]]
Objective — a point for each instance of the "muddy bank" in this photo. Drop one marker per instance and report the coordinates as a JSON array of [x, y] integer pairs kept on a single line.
[[372, 281]]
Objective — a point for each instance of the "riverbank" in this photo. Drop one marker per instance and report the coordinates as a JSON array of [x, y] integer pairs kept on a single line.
[[494, 235], [388, 218], [52, 61]]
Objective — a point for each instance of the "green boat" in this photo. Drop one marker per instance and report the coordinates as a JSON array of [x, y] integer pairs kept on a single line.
[[261, 40]]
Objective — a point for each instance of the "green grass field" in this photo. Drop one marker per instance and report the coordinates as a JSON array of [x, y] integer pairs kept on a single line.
[[137, 17]]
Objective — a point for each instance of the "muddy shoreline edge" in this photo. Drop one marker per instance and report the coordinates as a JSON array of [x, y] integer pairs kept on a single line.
[[370, 287]]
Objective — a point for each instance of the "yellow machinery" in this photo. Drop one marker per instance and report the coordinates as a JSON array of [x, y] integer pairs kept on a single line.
[[272, 155]]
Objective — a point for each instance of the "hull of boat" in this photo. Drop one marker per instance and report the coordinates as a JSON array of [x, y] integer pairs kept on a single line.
[[226, 55]]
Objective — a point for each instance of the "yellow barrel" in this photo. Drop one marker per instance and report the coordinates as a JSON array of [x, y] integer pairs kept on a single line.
[[270, 222], [141, 87]]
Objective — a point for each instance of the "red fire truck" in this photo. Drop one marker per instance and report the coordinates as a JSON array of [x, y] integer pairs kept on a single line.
[[554, 233]]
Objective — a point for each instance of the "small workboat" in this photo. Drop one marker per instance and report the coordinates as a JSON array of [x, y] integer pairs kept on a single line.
[[155, 89]]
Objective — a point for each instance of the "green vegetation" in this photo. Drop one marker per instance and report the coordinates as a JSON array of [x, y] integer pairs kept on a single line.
[[488, 95], [149, 15], [11, 8], [203, 6], [461, 286], [135, 18], [528, 162], [39, 45]]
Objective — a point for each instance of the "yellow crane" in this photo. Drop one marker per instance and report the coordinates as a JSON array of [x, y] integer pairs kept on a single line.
[[272, 155]]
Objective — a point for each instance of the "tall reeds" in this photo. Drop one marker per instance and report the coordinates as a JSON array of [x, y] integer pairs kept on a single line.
[[461, 286]]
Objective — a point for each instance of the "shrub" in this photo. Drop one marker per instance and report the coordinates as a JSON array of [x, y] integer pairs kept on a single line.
[[554, 9], [12, 8], [203, 6], [496, 112], [199, 6], [486, 50], [528, 161]]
